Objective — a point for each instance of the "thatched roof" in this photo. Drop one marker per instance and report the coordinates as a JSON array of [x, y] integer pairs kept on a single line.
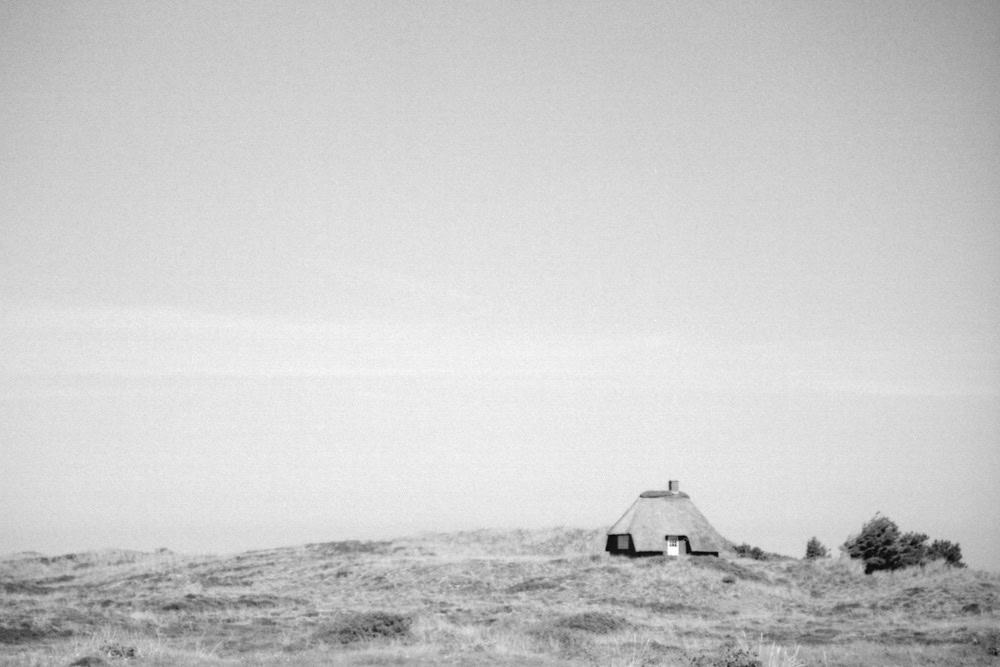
[[656, 514]]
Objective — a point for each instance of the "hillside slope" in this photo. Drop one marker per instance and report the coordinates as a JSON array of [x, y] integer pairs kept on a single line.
[[547, 597]]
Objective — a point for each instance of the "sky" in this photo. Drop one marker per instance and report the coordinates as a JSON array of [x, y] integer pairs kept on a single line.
[[275, 273]]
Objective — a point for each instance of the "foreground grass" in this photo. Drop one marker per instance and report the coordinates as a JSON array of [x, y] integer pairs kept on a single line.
[[486, 597]]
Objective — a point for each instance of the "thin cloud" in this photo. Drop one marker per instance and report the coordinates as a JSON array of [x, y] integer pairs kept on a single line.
[[51, 340]]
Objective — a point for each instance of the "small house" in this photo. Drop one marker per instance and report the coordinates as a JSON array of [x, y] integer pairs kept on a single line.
[[664, 522]]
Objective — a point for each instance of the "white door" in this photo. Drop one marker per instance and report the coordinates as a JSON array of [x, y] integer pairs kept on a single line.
[[672, 548]]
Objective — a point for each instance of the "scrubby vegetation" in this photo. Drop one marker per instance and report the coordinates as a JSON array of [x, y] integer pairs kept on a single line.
[[949, 552], [733, 655], [881, 546], [598, 622], [488, 597], [756, 553], [815, 549], [365, 626]]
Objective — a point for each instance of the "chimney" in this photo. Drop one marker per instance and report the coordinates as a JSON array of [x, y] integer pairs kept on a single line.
[[674, 486]]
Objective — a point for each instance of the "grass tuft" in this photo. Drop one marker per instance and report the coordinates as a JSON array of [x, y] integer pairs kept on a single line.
[[596, 622], [534, 584]]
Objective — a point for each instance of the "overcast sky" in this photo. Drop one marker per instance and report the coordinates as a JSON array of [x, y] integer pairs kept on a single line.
[[283, 272]]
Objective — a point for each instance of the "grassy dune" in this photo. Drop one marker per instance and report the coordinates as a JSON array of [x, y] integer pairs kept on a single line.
[[486, 597]]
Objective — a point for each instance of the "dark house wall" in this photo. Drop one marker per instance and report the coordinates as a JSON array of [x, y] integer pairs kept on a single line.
[[611, 546]]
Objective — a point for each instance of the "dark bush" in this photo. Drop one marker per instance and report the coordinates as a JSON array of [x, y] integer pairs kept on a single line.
[[912, 549], [815, 549], [949, 552], [365, 626], [881, 546], [972, 608], [89, 661], [877, 545], [746, 551]]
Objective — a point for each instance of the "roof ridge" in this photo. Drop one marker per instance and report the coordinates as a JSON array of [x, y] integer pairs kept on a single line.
[[656, 493]]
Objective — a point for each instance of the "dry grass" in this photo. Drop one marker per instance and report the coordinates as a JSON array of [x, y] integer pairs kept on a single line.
[[487, 597]]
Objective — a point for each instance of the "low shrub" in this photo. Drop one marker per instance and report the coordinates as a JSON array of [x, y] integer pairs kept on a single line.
[[28, 632], [569, 642], [365, 626], [949, 552], [116, 650], [747, 551], [989, 640], [596, 622], [350, 548], [731, 656]]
